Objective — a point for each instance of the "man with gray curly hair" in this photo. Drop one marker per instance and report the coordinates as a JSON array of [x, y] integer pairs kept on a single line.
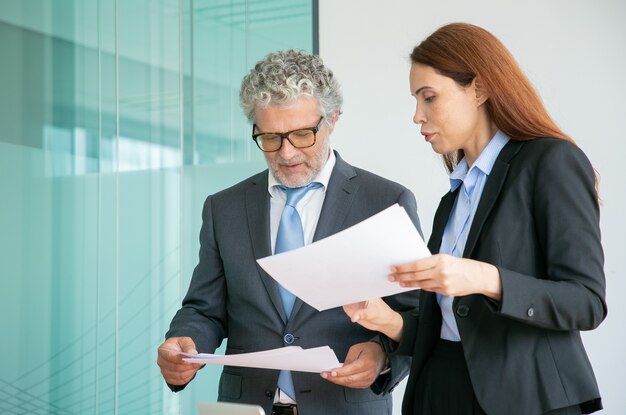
[[282, 77], [308, 192]]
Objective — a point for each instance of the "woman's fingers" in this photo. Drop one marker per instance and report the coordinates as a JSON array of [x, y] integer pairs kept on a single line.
[[418, 265]]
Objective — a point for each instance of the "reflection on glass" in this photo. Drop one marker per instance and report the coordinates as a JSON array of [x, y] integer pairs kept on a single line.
[[117, 119]]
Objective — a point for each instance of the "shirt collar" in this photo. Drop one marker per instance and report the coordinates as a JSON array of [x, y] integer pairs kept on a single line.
[[484, 163], [273, 185]]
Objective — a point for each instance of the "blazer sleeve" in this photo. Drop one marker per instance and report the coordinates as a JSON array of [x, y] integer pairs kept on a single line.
[[571, 294], [203, 313], [405, 303]]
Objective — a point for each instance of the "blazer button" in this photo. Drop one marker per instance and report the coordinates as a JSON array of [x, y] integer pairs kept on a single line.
[[462, 310], [288, 338], [530, 312], [269, 394]]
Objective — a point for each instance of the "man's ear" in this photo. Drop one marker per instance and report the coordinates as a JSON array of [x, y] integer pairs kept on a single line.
[[333, 121], [479, 90]]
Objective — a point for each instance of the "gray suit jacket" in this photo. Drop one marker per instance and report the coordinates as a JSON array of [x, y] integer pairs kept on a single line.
[[230, 296]]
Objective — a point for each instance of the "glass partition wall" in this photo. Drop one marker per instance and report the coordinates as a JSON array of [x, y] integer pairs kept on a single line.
[[117, 119]]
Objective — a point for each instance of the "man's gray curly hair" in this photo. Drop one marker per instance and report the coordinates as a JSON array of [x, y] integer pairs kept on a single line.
[[282, 77]]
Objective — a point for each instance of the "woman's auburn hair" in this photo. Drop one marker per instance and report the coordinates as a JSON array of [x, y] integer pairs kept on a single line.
[[465, 53]]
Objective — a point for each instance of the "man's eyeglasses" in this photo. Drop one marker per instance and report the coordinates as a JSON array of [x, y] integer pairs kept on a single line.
[[301, 138]]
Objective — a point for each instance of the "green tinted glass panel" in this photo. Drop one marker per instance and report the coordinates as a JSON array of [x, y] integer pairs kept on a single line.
[[117, 119]]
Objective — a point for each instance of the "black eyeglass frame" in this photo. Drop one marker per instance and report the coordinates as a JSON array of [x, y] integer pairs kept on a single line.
[[286, 135]]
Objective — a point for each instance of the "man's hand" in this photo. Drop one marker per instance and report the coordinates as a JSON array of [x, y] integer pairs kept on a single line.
[[376, 315], [173, 368], [363, 364]]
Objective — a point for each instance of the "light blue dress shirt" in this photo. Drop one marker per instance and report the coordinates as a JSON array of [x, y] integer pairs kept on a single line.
[[472, 182]]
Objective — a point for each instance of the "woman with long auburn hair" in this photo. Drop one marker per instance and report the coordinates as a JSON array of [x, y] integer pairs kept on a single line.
[[517, 265]]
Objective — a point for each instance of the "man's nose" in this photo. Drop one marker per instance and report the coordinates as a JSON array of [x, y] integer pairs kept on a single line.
[[287, 150]]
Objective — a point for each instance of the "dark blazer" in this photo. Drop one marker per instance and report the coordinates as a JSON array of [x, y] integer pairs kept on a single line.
[[538, 222], [230, 296]]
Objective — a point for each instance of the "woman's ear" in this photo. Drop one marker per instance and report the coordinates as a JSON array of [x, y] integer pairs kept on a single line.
[[479, 90]]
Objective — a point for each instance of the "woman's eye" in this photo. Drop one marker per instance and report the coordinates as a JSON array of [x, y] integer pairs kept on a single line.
[[429, 99]]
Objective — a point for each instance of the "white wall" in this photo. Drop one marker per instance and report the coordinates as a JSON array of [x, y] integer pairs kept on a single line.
[[575, 54]]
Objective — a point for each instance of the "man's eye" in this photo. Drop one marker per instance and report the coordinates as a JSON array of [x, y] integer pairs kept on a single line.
[[301, 133]]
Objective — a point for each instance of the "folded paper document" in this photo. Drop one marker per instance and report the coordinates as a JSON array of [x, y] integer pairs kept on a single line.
[[294, 358], [351, 265]]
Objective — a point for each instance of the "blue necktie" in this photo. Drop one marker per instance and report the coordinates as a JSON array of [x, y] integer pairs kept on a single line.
[[290, 236]]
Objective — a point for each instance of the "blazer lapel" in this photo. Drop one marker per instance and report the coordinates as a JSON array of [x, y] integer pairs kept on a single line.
[[337, 202], [339, 198], [492, 190], [440, 221], [258, 212]]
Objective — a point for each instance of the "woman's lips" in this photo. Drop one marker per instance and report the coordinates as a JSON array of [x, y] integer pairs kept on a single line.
[[428, 136]]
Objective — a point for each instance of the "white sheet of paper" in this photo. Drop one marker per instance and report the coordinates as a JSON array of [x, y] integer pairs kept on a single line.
[[294, 358], [351, 265]]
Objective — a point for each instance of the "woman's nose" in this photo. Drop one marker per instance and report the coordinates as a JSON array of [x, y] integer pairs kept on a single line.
[[419, 117]]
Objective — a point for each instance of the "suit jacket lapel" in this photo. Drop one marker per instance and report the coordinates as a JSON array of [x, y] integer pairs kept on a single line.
[[339, 198], [337, 202], [492, 190], [440, 221], [258, 212]]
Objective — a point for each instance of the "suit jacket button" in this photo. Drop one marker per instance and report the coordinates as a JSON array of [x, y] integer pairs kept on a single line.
[[530, 312], [462, 310], [269, 394], [288, 338]]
